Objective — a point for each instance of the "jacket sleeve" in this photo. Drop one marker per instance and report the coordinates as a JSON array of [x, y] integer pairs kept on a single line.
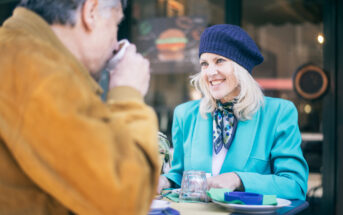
[[289, 168], [94, 158], [176, 171]]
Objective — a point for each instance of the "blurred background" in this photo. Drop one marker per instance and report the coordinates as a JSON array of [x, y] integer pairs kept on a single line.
[[299, 41], [288, 33]]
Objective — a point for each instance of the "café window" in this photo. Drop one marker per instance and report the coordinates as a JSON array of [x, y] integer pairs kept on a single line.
[[290, 37], [167, 32]]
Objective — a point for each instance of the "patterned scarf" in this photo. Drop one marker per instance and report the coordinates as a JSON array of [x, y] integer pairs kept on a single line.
[[224, 125]]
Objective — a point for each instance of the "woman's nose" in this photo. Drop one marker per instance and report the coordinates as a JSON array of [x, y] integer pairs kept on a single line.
[[211, 70]]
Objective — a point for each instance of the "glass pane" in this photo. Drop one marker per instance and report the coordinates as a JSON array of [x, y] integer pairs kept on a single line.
[[290, 36], [167, 32]]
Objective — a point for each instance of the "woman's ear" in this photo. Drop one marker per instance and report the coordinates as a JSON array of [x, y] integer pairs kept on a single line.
[[89, 13]]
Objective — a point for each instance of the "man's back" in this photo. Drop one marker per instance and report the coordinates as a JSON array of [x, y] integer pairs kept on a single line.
[[18, 82], [18, 194], [61, 148]]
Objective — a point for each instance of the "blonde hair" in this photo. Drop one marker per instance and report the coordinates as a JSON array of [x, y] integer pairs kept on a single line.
[[249, 100]]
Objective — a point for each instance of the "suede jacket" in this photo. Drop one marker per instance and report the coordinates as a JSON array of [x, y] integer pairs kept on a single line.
[[62, 149]]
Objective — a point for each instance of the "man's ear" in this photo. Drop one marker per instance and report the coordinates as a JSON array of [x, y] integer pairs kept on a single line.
[[89, 14]]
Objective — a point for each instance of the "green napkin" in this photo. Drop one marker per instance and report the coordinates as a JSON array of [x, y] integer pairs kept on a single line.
[[269, 200], [175, 198], [218, 195]]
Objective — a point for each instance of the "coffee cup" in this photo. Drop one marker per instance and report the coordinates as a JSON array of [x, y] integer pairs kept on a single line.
[[118, 54]]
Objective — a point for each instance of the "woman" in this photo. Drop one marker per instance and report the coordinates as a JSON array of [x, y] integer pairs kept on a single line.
[[244, 140]]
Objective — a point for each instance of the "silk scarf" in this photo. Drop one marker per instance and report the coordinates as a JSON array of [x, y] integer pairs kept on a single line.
[[224, 126]]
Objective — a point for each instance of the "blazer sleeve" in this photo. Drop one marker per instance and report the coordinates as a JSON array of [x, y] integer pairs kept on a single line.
[[175, 173], [289, 168]]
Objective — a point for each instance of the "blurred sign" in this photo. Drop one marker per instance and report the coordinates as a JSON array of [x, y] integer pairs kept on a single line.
[[175, 8], [170, 41], [275, 83], [310, 82]]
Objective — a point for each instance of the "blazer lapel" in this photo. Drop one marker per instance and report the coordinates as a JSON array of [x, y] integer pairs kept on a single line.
[[240, 149], [201, 156]]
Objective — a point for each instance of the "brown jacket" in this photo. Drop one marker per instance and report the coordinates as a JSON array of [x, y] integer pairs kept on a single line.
[[61, 148]]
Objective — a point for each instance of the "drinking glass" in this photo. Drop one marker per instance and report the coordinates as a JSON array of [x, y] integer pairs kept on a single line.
[[193, 186]]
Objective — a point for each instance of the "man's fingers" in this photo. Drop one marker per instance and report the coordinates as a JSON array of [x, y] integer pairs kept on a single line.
[[131, 48]]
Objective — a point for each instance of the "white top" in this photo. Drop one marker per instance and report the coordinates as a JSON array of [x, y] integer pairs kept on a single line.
[[218, 160]]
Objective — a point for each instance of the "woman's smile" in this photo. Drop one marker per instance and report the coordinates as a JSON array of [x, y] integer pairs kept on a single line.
[[217, 82], [218, 74]]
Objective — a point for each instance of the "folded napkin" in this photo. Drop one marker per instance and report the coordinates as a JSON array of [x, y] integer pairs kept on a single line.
[[173, 195], [175, 198], [219, 195]]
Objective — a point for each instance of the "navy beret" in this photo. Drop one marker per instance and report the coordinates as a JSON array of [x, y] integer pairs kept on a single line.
[[232, 42]]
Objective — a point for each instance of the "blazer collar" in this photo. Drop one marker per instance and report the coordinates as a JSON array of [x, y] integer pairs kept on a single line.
[[239, 152], [237, 155], [201, 155]]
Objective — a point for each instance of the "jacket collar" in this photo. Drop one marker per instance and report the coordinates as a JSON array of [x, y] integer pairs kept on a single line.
[[241, 147], [237, 155], [201, 155], [32, 24]]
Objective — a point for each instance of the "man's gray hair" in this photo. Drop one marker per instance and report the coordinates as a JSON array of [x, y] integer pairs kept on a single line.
[[62, 11]]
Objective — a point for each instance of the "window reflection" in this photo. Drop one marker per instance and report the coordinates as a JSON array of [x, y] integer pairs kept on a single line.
[[290, 36], [167, 32]]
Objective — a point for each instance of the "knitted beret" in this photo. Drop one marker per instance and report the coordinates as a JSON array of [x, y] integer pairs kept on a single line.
[[232, 42]]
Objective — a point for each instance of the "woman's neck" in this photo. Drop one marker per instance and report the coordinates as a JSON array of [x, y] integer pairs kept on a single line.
[[231, 96]]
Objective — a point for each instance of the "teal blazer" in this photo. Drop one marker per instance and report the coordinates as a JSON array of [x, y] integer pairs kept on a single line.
[[265, 153]]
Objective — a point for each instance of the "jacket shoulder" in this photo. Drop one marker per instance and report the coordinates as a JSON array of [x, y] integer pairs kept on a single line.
[[187, 108], [278, 103], [21, 46], [275, 108], [186, 114]]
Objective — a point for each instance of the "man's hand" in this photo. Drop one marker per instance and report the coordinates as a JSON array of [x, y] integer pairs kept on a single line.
[[163, 183], [132, 70], [226, 180]]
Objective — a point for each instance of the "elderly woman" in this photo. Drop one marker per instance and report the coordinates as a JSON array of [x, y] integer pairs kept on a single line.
[[244, 140]]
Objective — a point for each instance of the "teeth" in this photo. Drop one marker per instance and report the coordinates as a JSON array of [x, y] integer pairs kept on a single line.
[[216, 82]]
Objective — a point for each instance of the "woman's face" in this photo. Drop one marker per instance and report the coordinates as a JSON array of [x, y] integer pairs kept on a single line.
[[217, 72]]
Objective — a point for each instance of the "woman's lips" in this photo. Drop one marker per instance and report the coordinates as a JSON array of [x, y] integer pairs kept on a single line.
[[216, 82]]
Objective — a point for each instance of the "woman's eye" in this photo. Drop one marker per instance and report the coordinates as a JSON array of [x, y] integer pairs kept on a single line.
[[220, 60], [203, 64]]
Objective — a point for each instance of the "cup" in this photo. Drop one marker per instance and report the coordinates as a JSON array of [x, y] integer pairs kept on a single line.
[[118, 54], [193, 186]]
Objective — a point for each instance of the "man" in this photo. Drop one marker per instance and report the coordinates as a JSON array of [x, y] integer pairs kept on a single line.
[[62, 150]]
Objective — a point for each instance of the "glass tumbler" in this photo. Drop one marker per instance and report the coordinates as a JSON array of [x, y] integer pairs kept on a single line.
[[193, 186]]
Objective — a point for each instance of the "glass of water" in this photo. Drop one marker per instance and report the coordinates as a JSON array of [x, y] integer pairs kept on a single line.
[[193, 186]]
